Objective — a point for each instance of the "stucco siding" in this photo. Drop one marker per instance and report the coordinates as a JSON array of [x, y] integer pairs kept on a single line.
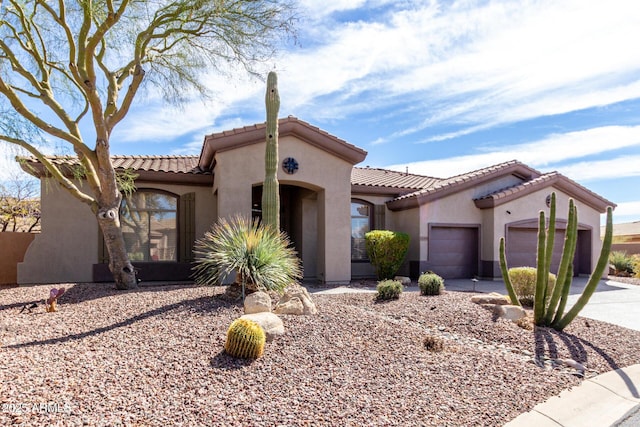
[[528, 208], [67, 247]]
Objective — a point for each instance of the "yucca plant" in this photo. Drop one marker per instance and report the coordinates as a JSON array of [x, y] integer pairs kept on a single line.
[[261, 257]]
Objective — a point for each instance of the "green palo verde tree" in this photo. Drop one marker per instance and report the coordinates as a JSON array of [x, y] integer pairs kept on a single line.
[[72, 65], [270, 187], [549, 310]]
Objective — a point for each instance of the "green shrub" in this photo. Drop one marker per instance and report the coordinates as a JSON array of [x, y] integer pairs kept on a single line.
[[386, 251], [430, 284], [388, 290], [636, 266], [622, 263], [523, 280], [262, 258]]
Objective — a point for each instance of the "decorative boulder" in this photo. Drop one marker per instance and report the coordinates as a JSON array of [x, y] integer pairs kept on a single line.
[[292, 306], [492, 298], [509, 312], [271, 323], [296, 300], [406, 281], [257, 302]]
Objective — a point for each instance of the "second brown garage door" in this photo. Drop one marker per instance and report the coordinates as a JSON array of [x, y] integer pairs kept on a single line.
[[453, 251], [522, 249]]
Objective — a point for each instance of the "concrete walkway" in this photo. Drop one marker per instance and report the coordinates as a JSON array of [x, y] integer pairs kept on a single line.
[[610, 399]]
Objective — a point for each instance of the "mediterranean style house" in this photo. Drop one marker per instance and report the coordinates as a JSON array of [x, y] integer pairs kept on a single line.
[[327, 205]]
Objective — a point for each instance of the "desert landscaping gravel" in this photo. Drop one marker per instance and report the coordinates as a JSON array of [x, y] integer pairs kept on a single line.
[[154, 357]]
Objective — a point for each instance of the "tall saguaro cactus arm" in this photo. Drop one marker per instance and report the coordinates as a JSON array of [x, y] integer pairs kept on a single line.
[[590, 288], [270, 189], [505, 275], [541, 279]]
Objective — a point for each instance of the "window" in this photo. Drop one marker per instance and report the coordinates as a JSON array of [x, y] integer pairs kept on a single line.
[[361, 214], [150, 226]]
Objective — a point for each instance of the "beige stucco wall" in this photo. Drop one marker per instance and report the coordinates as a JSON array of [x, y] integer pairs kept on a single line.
[[13, 246], [459, 208], [238, 170], [67, 247], [528, 207]]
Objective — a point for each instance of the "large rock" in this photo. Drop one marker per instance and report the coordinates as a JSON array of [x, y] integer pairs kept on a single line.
[[510, 312], [296, 300], [406, 281], [271, 323], [257, 302], [292, 306], [492, 298]]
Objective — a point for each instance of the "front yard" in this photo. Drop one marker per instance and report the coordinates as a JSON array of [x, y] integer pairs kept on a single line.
[[154, 356]]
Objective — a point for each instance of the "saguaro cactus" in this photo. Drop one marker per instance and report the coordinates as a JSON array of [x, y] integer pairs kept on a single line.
[[552, 313], [270, 188]]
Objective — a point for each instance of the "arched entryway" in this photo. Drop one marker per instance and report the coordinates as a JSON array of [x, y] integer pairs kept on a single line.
[[299, 219]]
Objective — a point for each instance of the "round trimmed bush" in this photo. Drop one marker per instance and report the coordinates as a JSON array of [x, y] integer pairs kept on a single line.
[[523, 280], [430, 284], [388, 290]]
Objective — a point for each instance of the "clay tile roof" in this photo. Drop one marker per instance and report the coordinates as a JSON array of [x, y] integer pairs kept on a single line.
[[555, 179], [374, 177], [172, 164], [464, 180]]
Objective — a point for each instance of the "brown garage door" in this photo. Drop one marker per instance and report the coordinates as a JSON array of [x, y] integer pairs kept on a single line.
[[522, 249], [453, 251]]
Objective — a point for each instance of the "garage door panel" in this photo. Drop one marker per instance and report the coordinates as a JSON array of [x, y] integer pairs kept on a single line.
[[522, 248], [453, 251]]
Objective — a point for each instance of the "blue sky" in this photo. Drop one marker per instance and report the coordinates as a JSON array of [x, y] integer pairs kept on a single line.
[[445, 87]]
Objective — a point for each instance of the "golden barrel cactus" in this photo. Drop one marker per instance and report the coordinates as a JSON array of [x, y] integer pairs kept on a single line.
[[245, 339]]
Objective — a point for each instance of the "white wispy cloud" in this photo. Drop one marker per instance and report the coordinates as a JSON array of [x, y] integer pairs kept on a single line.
[[473, 63], [557, 151], [628, 209]]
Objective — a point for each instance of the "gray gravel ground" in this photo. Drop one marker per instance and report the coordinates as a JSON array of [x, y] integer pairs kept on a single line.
[[154, 357]]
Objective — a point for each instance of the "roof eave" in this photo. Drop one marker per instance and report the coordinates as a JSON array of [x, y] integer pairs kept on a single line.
[[287, 126], [559, 181]]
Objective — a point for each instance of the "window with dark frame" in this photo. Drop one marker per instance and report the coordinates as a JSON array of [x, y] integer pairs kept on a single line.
[[150, 226], [361, 223]]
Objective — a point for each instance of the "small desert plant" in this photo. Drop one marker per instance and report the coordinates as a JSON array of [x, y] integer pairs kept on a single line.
[[386, 251], [622, 263], [430, 284], [262, 257], [245, 339], [51, 304], [636, 266], [524, 281], [388, 290], [433, 343]]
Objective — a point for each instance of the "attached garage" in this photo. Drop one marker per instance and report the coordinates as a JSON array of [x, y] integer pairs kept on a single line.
[[453, 251], [522, 247]]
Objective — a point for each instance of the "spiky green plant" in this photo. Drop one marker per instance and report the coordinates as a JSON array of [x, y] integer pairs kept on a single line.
[[261, 257], [245, 339], [430, 284], [552, 313], [388, 290], [270, 188]]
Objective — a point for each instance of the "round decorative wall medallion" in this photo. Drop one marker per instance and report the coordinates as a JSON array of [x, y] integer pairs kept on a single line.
[[548, 200], [290, 165]]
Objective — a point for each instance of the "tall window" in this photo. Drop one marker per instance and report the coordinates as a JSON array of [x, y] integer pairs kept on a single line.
[[150, 227], [361, 213]]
